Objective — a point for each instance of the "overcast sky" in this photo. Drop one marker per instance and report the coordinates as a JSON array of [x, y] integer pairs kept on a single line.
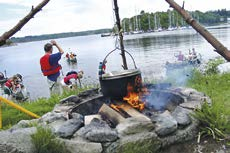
[[80, 15]]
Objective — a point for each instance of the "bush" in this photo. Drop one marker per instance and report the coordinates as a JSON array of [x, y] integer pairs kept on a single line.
[[211, 67], [215, 119], [46, 142]]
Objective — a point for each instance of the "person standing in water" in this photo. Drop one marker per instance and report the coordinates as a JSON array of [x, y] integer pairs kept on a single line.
[[50, 66]]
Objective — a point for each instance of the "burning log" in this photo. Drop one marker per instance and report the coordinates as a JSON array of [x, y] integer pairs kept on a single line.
[[110, 115], [120, 110], [133, 99], [220, 48], [134, 113]]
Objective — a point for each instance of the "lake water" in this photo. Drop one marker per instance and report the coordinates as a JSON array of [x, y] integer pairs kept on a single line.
[[150, 51]]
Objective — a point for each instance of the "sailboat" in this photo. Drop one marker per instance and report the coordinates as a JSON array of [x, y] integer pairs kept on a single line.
[[149, 21], [157, 23], [136, 27]]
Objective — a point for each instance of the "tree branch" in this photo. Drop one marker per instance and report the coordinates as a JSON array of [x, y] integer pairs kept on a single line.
[[22, 22], [219, 48]]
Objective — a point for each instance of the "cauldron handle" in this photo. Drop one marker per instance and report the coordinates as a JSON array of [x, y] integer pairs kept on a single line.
[[119, 49]]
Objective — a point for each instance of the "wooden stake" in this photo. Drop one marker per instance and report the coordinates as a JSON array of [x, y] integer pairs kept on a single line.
[[22, 22], [116, 9]]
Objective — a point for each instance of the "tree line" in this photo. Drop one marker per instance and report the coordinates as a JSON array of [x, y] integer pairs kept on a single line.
[[151, 21], [144, 21]]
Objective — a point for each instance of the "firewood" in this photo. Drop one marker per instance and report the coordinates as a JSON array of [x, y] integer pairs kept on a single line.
[[134, 113], [109, 114]]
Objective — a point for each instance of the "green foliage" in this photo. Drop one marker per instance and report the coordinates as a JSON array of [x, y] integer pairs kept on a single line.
[[211, 67], [215, 119], [46, 142], [144, 18], [11, 116]]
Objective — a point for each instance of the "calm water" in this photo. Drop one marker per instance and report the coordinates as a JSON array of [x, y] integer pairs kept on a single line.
[[150, 51]]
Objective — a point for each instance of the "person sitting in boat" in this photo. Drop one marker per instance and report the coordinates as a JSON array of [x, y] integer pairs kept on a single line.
[[193, 58], [72, 55], [190, 56], [194, 55], [70, 80], [67, 55], [180, 56]]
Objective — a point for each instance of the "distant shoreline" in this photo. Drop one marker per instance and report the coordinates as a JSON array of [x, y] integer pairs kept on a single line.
[[58, 35]]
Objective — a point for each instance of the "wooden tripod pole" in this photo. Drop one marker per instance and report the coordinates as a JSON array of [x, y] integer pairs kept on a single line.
[[219, 48], [116, 9]]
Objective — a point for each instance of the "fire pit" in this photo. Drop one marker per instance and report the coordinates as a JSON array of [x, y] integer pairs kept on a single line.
[[159, 98], [113, 125]]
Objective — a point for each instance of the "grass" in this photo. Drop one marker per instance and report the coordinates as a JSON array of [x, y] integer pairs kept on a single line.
[[46, 142], [215, 119], [11, 116]]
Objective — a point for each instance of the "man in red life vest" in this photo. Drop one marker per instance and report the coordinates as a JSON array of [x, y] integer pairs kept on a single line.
[[51, 68]]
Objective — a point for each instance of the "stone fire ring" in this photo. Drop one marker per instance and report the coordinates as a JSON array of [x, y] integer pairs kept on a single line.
[[68, 122]]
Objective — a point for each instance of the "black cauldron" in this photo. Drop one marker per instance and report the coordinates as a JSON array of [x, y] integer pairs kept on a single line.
[[114, 84]]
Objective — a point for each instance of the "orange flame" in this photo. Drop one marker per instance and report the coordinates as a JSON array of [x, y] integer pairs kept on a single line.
[[115, 107], [133, 99]]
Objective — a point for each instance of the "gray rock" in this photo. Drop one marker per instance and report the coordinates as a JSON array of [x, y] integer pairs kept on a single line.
[[146, 142], [97, 131], [52, 116], [17, 141], [134, 125], [182, 116], [165, 123], [191, 105], [192, 94], [67, 129], [58, 108], [82, 146], [54, 126], [89, 93], [71, 99], [76, 116], [181, 135], [25, 124]]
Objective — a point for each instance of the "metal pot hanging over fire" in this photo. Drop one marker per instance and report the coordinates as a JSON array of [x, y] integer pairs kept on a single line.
[[115, 83]]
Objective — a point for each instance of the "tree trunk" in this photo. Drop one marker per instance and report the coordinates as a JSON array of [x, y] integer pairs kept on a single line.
[[22, 22], [219, 48], [116, 9]]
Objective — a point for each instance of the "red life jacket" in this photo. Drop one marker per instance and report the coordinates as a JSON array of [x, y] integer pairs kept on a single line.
[[46, 68], [8, 83], [68, 77]]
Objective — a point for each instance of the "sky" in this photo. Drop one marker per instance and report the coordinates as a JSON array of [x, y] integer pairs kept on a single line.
[[80, 15]]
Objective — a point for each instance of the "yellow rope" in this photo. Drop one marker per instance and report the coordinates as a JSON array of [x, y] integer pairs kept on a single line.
[[12, 104]]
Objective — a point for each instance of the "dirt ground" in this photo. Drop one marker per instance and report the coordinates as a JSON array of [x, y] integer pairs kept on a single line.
[[207, 145]]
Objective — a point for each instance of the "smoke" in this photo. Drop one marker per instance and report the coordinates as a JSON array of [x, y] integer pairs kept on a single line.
[[179, 76]]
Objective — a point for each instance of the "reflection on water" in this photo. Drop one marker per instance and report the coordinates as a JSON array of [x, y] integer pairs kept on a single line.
[[150, 51]]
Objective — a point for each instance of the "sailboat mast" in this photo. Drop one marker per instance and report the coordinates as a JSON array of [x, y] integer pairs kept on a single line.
[[116, 9], [149, 22]]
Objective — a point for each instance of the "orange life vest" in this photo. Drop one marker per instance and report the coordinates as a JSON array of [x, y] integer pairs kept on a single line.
[[46, 68]]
